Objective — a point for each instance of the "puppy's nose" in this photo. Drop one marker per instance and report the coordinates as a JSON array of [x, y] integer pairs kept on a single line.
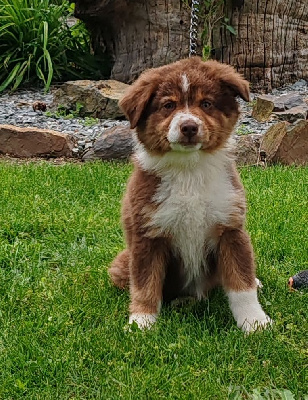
[[189, 129]]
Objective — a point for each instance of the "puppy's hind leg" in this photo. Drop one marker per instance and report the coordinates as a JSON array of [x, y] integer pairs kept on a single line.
[[236, 265], [119, 270]]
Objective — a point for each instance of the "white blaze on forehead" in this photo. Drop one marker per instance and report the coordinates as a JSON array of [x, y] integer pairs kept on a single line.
[[174, 133], [185, 83]]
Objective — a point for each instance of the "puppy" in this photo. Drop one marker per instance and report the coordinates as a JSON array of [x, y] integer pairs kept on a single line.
[[184, 208]]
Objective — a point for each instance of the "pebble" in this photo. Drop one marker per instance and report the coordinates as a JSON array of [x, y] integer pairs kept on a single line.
[[16, 109]]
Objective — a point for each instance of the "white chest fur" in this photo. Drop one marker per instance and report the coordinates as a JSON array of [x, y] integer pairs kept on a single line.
[[192, 198]]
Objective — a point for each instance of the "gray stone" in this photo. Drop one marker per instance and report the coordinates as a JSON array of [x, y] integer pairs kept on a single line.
[[116, 143], [287, 101], [302, 83], [88, 146]]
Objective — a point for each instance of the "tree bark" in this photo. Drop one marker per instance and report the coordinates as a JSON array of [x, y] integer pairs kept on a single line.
[[270, 48], [137, 34], [271, 45]]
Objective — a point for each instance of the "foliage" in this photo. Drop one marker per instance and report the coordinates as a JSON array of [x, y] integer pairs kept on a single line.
[[36, 44], [61, 320], [212, 12], [212, 15], [243, 130], [63, 112]]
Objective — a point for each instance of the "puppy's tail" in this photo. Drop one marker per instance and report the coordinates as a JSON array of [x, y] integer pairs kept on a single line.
[[119, 270]]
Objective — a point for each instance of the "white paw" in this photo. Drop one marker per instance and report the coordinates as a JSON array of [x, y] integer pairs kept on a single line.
[[247, 311], [259, 283], [143, 321], [255, 324]]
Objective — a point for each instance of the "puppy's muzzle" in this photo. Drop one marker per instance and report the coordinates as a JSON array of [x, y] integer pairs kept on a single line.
[[189, 129]]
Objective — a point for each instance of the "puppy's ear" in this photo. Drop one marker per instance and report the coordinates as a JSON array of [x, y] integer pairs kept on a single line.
[[137, 97], [228, 77], [237, 84]]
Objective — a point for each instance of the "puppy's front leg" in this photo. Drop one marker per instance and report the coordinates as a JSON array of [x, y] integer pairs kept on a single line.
[[147, 273], [236, 265]]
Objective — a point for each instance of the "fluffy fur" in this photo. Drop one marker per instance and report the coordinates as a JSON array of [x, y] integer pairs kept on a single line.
[[184, 208]]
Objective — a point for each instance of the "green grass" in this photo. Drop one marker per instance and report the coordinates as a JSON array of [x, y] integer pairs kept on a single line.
[[62, 323]]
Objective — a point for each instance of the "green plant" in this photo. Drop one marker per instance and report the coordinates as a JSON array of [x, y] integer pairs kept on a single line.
[[89, 121], [63, 112], [243, 130], [36, 44], [211, 14]]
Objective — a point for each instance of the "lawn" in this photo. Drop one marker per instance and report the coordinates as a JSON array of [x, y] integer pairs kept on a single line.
[[62, 324]]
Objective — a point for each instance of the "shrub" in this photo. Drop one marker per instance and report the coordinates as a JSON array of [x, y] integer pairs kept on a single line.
[[36, 44]]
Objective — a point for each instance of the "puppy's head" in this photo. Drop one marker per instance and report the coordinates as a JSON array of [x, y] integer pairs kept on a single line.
[[189, 105]]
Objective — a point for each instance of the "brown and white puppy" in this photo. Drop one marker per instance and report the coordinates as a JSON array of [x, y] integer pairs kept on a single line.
[[184, 208]]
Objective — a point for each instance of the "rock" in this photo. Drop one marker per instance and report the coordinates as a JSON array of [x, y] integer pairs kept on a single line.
[[293, 114], [272, 139], [266, 104], [300, 84], [97, 99], [287, 101], [247, 149], [116, 143], [294, 146], [34, 142], [263, 107], [287, 144]]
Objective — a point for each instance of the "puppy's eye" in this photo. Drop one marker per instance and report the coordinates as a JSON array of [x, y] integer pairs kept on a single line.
[[205, 104], [170, 105]]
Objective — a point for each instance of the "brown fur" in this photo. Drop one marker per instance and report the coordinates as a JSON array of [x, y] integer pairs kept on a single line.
[[211, 81], [235, 260], [148, 265]]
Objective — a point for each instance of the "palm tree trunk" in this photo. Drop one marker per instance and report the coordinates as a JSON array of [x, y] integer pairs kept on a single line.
[[137, 34], [271, 45]]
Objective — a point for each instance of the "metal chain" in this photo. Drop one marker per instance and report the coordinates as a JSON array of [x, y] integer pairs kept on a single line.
[[193, 31]]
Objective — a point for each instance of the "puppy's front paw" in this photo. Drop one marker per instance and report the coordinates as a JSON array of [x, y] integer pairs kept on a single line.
[[143, 321], [247, 311], [254, 324]]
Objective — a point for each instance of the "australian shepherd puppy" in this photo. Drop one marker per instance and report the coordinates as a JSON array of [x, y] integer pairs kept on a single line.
[[184, 208]]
